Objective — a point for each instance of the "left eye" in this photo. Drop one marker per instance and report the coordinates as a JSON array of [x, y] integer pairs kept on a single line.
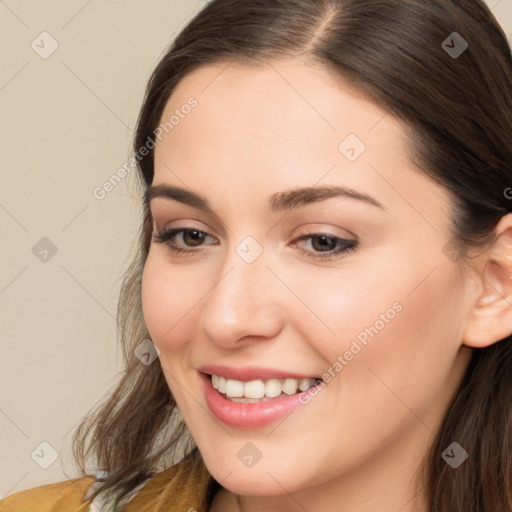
[[324, 245]]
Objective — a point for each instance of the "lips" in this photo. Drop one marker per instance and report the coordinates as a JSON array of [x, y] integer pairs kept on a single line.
[[250, 415], [249, 373]]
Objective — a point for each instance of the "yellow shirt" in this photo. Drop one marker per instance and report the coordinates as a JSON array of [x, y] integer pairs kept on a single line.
[[185, 487]]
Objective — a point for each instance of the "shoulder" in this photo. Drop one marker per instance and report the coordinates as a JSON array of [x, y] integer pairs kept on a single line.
[[65, 496]]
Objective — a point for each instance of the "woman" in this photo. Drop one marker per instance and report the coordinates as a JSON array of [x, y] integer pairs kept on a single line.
[[319, 313]]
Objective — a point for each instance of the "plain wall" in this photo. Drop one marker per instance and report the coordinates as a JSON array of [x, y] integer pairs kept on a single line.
[[67, 123]]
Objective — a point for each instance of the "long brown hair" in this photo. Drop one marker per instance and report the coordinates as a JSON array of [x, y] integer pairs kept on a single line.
[[458, 107]]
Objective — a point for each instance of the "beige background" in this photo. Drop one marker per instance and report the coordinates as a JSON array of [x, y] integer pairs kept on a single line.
[[67, 124]]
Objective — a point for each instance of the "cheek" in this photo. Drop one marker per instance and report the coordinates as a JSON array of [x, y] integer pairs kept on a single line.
[[340, 305], [412, 355], [391, 359], [391, 318], [168, 297]]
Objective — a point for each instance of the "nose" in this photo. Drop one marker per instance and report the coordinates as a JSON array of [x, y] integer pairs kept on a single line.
[[243, 303]]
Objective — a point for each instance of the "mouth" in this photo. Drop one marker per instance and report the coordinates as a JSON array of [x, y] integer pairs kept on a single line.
[[259, 390], [256, 403]]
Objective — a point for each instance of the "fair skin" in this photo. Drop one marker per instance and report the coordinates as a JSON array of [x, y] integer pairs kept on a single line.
[[358, 445]]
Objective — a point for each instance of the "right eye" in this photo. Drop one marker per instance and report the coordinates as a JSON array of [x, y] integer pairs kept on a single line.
[[190, 237]]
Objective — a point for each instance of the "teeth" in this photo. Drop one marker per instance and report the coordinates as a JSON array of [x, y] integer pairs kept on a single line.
[[222, 384], [234, 388], [290, 386], [258, 389], [253, 389], [305, 384], [273, 388]]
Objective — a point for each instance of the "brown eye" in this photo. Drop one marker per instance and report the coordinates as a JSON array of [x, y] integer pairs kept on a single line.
[[182, 240], [193, 238], [323, 246], [323, 243]]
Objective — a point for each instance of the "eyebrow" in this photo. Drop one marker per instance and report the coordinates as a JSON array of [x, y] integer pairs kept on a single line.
[[279, 202]]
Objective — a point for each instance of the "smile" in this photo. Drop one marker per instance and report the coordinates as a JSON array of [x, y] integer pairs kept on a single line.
[[259, 390], [253, 408]]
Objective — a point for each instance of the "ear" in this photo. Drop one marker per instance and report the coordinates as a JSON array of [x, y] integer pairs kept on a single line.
[[491, 317]]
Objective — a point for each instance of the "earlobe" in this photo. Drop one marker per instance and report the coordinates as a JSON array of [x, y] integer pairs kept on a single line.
[[490, 320]]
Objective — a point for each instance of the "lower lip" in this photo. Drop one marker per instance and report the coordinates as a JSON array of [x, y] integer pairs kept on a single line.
[[248, 415]]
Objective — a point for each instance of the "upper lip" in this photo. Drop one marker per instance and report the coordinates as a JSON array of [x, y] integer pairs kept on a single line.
[[248, 373]]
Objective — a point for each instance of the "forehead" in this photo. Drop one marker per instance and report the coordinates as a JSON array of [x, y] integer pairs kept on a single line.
[[279, 125], [255, 103]]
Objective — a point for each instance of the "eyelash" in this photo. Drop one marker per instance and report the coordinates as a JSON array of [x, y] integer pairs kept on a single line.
[[344, 245]]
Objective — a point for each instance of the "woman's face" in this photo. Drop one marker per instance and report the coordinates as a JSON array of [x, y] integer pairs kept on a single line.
[[263, 286]]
